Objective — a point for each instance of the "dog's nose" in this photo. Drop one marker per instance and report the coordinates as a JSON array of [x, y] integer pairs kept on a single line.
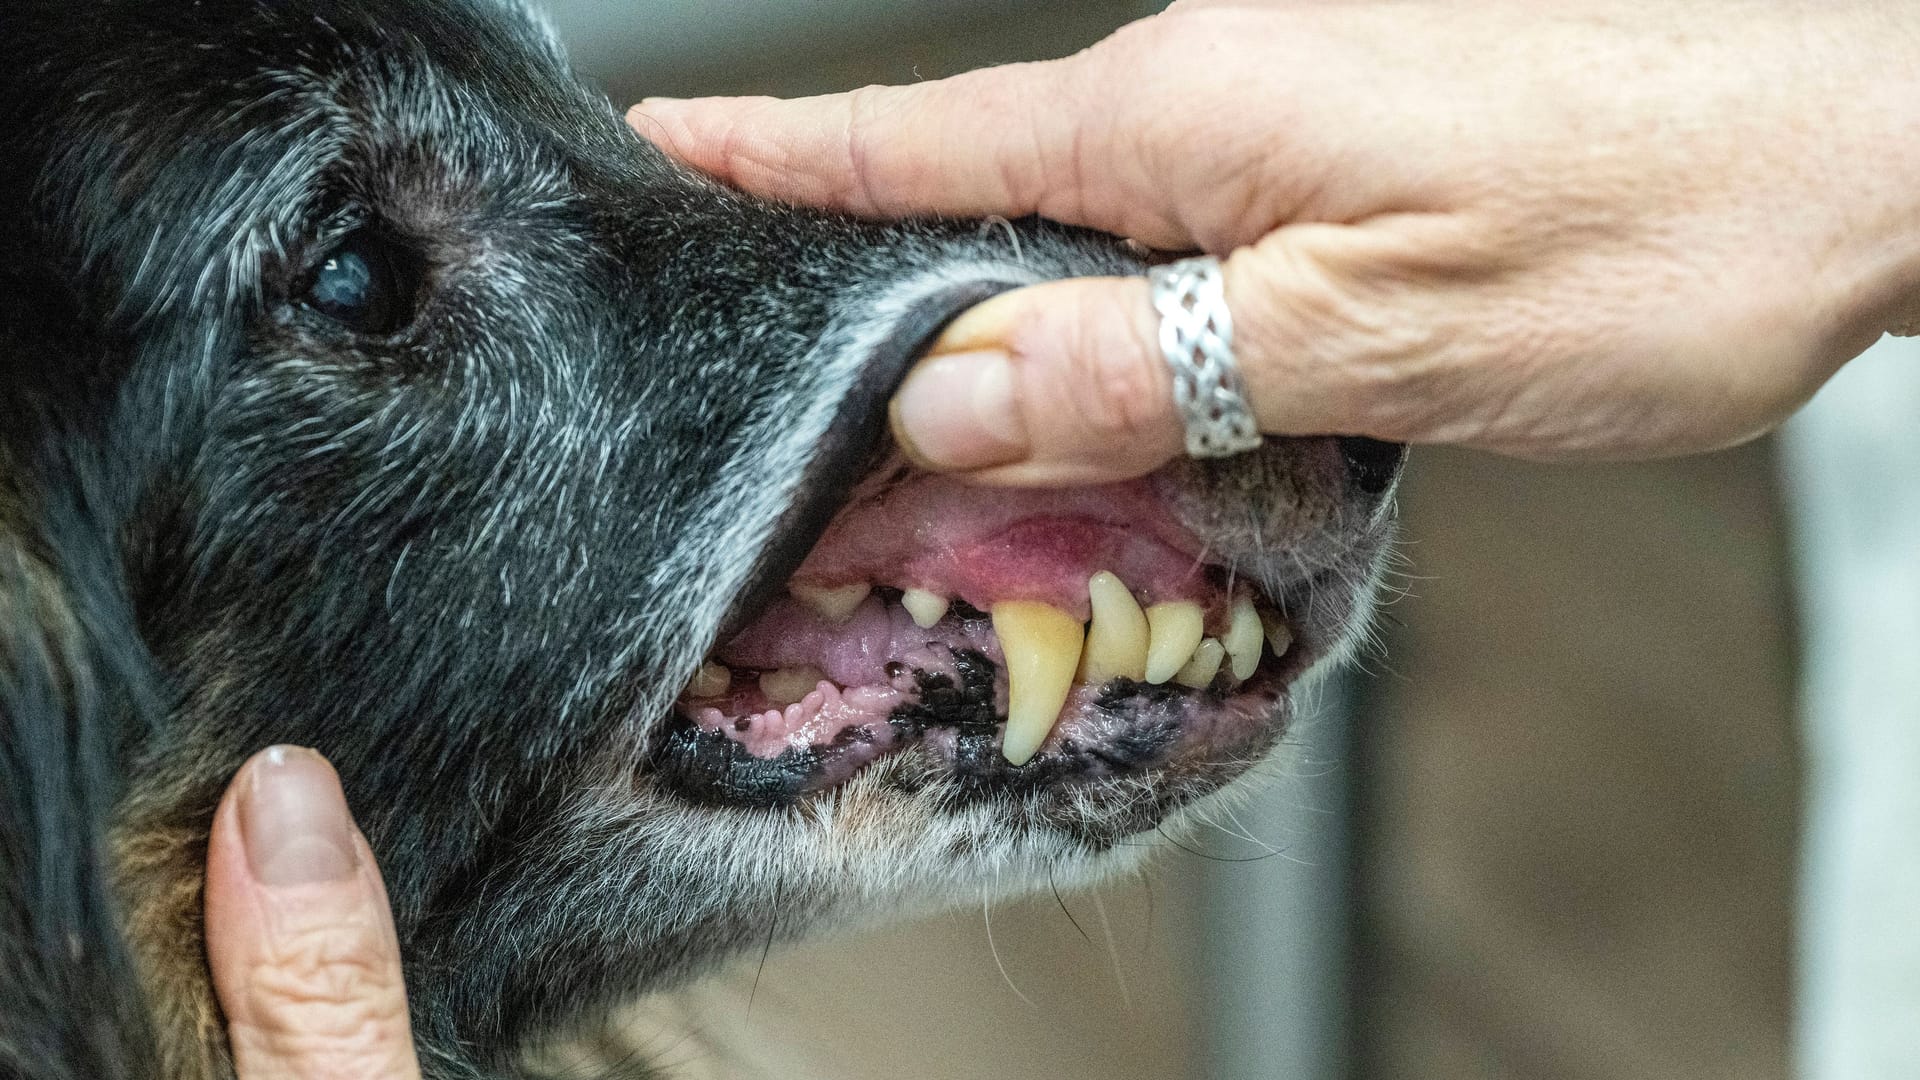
[[1372, 464]]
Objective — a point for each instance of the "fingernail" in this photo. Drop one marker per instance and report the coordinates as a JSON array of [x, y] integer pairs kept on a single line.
[[960, 411], [982, 327], [294, 820]]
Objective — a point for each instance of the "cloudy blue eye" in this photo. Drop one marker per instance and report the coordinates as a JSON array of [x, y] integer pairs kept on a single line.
[[362, 286]]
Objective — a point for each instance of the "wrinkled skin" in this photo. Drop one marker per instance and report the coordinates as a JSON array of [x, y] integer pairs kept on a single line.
[[470, 546]]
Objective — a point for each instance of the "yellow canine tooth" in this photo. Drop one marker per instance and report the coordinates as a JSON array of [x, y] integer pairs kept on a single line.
[[1041, 644], [1243, 640], [1199, 671], [1174, 630], [835, 604], [1279, 638], [926, 607], [711, 680], [1117, 638], [784, 686]]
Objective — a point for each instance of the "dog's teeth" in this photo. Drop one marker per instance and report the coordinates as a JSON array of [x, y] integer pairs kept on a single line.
[[1205, 664], [1117, 637], [835, 604], [784, 686], [926, 607], [1174, 630], [1042, 648], [711, 680], [1279, 638], [1243, 640]]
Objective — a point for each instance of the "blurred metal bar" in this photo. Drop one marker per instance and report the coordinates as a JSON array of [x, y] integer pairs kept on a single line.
[[1275, 951]]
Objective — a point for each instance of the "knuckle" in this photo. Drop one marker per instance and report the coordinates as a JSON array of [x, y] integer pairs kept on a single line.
[[735, 147], [329, 982], [1359, 315], [1133, 43], [863, 111], [873, 129], [1373, 342], [1123, 389], [1125, 398]]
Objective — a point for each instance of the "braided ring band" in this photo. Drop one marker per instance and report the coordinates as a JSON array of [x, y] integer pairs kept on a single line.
[[1196, 338]]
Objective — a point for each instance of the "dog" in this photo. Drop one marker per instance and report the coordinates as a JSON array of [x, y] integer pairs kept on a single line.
[[366, 384]]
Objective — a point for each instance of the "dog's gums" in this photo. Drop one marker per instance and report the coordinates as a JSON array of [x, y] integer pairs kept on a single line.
[[987, 628]]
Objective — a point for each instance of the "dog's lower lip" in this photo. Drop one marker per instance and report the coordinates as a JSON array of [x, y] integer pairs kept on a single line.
[[756, 734], [1121, 728]]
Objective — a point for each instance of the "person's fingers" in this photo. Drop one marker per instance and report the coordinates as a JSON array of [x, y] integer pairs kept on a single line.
[[985, 142], [299, 935], [1065, 383], [1057, 383], [1013, 140]]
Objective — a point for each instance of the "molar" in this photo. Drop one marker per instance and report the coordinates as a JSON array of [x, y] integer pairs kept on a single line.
[[1199, 671], [836, 604], [787, 685], [1243, 639], [711, 680], [927, 608]]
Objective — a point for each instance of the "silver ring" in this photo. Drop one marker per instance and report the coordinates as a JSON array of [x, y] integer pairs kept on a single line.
[[1196, 338]]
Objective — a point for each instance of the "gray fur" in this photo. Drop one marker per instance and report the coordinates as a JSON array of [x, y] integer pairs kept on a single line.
[[475, 557]]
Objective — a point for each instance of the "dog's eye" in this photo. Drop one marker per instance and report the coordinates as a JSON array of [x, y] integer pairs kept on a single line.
[[363, 285]]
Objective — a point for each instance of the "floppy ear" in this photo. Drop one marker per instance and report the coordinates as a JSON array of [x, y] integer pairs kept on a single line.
[[73, 687]]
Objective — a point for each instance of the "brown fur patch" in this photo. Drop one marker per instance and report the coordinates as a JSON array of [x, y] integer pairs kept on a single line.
[[158, 866], [37, 623], [160, 873]]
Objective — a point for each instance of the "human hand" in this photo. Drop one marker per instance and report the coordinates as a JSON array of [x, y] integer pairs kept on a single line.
[[1557, 231], [299, 935]]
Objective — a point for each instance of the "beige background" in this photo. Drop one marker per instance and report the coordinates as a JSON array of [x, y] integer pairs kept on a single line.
[[1580, 821]]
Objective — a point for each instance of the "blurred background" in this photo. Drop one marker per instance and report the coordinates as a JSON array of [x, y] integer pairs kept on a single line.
[[1550, 832]]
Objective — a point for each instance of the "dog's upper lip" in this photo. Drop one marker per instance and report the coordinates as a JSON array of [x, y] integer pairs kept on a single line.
[[851, 445]]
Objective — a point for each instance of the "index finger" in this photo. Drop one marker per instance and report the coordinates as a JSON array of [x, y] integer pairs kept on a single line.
[[1012, 140]]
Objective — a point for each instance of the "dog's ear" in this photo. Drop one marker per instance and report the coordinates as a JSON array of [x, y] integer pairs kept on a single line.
[[73, 690]]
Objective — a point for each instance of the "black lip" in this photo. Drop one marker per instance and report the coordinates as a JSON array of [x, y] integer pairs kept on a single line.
[[1149, 721], [853, 442]]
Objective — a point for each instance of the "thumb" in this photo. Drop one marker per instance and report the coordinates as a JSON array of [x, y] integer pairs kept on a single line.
[[299, 934], [1059, 383], [1065, 383]]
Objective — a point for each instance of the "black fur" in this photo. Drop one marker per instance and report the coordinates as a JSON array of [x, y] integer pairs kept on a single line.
[[471, 560]]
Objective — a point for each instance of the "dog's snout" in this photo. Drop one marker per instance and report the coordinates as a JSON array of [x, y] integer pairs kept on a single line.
[[1372, 465]]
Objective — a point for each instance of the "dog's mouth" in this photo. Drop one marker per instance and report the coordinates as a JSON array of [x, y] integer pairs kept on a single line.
[[991, 641], [1007, 638]]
